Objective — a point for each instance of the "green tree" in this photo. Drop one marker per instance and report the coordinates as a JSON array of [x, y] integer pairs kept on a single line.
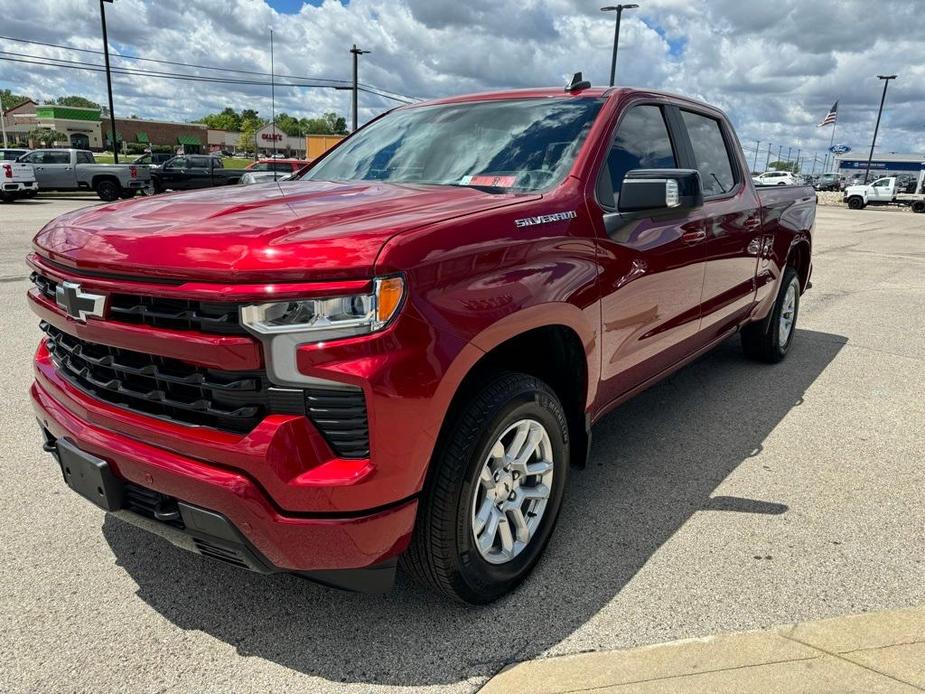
[[77, 101], [329, 124], [248, 132], [790, 166], [46, 136], [289, 125], [9, 100], [228, 119]]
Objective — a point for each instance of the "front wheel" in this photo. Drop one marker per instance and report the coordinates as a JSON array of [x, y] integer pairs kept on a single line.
[[491, 502], [855, 202], [772, 345]]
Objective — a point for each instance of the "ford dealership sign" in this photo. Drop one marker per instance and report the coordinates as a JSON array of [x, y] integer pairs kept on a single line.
[[839, 149]]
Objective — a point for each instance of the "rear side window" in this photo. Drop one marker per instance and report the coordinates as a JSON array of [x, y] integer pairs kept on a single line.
[[199, 162], [84, 158], [642, 142], [710, 153]]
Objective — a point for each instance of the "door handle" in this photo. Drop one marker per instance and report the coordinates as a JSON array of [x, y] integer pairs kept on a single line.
[[693, 236]]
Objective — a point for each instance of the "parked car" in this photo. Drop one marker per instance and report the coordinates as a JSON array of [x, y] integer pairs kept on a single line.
[[401, 353], [191, 171], [266, 170], [886, 191], [76, 169], [153, 159], [17, 180], [775, 178], [11, 154], [828, 181]]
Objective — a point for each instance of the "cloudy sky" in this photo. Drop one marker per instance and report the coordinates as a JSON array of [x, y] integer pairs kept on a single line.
[[775, 67]]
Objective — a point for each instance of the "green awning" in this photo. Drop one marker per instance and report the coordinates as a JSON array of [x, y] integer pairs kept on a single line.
[[143, 138], [188, 140]]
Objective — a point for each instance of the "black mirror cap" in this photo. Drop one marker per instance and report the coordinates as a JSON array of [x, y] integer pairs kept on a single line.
[[660, 189]]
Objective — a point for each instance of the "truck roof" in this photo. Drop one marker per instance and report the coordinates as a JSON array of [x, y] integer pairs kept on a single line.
[[551, 92]]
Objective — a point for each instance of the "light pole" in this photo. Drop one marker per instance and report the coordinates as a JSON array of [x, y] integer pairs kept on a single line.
[[886, 82], [356, 54], [112, 113], [755, 163], [616, 35]]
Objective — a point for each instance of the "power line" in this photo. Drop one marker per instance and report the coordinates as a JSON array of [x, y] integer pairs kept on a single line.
[[373, 89], [43, 61]]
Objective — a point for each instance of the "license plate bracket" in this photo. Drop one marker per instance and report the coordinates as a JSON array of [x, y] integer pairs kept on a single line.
[[89, 476]]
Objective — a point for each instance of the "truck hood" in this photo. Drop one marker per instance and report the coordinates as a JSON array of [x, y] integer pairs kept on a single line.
[[293, 231]]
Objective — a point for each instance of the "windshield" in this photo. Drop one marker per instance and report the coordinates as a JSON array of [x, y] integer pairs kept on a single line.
[[522, 145]]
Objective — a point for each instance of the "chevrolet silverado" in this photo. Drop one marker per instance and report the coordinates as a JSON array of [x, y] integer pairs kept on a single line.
[[397, 358]]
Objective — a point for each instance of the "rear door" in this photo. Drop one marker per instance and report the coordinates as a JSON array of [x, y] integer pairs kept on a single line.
[[199, 172], [652, 268], [731, 221]]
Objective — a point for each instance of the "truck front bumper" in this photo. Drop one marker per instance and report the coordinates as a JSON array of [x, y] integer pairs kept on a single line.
[[223, 513]]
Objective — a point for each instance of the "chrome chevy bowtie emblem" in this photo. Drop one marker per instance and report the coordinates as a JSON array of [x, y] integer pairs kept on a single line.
[[79, 304]]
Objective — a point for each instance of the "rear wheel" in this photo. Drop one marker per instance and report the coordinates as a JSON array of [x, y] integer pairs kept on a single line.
[[492, 499], [772, 345], [918, 206], [855, 202], [108, 190]]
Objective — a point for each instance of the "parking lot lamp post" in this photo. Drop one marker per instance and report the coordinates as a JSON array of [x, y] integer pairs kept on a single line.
[[112, 113], [356, 54], [272, 96], [616, 35], [886, 81]]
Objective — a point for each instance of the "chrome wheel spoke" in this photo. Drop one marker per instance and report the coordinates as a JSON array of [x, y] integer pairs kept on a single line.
[[481, 518], [521, 530], [540, 491], [540, 467], [507, 539], [486, 540], [486, 478]]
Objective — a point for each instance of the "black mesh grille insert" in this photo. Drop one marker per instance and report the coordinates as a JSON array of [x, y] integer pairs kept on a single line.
[[163, 387], [340, 415], [160, 312]]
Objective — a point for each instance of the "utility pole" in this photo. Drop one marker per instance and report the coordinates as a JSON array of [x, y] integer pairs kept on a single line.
[[767, 161], [112, 113], [356, 54], [272, 95], [798, 161], [3, 126], [616, 35], [755, 162], [886, 82], [780, 148]]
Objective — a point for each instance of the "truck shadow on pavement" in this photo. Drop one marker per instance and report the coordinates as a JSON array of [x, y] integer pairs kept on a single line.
[[655, 462]]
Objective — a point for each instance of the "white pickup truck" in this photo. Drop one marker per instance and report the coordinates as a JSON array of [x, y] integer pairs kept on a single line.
[[17, 181], [886, 191], [76, 169]]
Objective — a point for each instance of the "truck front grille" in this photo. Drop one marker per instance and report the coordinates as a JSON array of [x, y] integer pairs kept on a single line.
[[160, 312], [164, 387]]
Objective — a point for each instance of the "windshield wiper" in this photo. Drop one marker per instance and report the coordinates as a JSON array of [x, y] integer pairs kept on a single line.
[[487, 189]]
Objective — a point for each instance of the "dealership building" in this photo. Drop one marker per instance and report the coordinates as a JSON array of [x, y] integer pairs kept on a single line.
[[889, 164]]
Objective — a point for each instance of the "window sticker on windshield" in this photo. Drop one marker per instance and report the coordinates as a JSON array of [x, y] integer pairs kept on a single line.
[[488, 180]]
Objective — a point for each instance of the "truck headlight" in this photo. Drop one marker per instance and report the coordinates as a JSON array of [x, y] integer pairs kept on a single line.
[[330, 317]]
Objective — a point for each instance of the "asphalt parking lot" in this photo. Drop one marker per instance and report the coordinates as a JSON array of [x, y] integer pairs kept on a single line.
[[731, 496]]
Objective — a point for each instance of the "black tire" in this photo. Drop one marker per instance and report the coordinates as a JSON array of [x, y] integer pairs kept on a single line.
[[7, 197], [918, 206], [128, 194], [855, 202], [442, 554], [764, 345], [108, 190]]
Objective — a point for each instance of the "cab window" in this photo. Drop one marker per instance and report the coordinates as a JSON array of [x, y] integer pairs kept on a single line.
[[711, 155], [641, 142]]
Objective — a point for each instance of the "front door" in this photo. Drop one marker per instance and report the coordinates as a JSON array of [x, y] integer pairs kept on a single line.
[[881, 190], [652, 268], [732, 222]]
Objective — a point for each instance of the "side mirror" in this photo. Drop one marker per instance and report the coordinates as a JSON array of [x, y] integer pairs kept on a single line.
[[660, 190]]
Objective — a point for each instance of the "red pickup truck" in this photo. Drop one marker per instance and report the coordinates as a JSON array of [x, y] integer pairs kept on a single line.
[[399, 356]]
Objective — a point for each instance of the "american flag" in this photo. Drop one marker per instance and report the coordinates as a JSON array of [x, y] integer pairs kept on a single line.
[[831, 117]]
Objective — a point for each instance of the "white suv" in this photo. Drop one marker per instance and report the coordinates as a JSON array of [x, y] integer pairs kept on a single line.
[[775, 178]]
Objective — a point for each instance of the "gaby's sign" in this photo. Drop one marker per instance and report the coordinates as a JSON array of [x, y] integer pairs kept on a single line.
[[272, 137]]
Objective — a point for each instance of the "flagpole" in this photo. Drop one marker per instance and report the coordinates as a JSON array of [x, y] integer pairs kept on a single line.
[[832, 140]]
